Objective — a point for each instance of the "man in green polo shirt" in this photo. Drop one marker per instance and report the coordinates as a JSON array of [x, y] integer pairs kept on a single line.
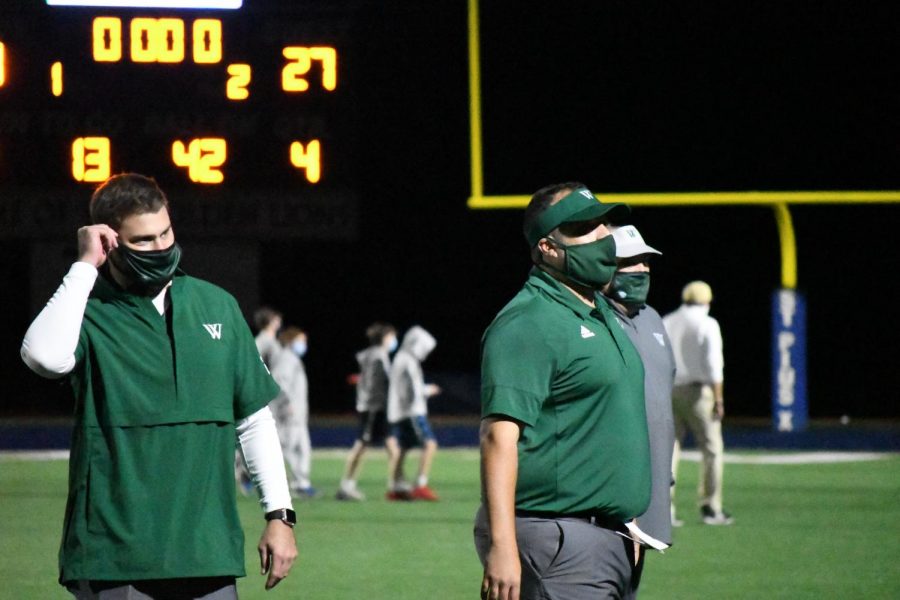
[[164, 372], [565, 455]]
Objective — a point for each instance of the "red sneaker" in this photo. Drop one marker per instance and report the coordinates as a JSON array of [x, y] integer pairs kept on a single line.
[[394, 495], [423, 492]]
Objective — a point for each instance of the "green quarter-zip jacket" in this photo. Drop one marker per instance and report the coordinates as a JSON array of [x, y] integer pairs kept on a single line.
[[151, 491]]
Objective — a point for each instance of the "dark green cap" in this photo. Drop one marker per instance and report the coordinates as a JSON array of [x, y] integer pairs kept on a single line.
[[579, 205]]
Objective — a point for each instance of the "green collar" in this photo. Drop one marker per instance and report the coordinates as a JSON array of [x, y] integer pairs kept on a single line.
[[560, 293]]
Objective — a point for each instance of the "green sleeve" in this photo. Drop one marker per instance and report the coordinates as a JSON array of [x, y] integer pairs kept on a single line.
[[516, 371]]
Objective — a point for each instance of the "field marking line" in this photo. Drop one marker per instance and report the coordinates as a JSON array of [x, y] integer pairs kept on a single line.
[[780, 458], [34, 455], [793, 458]]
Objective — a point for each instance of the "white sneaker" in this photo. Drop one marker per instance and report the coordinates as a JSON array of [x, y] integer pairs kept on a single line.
[[353, 494]]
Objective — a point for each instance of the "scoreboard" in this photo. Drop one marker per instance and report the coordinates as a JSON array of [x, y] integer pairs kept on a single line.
[[244, 111]]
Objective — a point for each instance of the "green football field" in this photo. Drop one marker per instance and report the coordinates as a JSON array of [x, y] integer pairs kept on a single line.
[[827, 530]]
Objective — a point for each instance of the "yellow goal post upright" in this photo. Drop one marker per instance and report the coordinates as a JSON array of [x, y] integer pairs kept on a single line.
[[789, 402]]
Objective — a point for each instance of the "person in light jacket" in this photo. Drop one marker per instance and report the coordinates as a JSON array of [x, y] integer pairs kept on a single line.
[[407, 414], [291, 409]]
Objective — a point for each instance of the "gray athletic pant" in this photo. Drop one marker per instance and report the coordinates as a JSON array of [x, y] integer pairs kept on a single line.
[[568, 559], [193, 588]]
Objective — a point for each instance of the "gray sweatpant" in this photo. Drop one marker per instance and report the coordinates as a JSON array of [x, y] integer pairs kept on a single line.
[[568, 559], [192, 588]]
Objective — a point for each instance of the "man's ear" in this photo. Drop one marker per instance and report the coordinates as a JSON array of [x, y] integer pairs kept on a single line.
[[546, 248]]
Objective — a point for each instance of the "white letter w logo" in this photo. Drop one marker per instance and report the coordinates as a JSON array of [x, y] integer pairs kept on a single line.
[[214, 330]]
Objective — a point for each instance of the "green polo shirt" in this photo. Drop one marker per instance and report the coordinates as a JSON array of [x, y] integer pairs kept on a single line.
[[573, 378], [151, 475]]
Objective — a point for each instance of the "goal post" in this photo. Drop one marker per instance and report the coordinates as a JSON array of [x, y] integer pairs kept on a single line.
[[788, 375]]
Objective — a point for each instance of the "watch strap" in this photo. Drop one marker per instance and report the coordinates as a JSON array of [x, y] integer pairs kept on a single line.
[[283, 514]]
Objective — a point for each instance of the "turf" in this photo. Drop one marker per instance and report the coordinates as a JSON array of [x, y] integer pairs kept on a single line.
[[801, 531]]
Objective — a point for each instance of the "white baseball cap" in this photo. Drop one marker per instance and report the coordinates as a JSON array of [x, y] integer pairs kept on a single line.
[[630, 243]]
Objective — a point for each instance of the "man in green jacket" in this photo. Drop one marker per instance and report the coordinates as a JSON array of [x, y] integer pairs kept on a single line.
[[164, 371]]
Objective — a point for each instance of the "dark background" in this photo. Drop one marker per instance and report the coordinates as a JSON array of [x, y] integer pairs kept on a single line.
[[624, 96]]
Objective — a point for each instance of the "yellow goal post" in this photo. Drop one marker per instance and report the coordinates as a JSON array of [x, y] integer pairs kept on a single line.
[[779, 201]]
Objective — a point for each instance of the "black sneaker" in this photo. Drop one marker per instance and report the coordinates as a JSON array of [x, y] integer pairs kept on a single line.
[[711, 517]]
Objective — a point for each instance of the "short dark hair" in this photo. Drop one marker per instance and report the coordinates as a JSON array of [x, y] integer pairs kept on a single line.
[[263, 316], [542, 200], [124, 195], [377, 331]]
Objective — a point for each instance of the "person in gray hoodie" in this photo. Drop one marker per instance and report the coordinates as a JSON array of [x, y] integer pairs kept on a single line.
[[407, 413], [371, 403]]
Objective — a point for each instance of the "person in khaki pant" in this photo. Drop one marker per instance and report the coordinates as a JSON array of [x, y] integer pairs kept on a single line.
[[697, 399]]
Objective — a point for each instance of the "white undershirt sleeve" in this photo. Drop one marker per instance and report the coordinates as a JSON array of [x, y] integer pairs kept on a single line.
[[49, 345], [261, 449]]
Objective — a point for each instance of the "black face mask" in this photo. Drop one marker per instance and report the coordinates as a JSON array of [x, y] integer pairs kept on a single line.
[[147, 271]]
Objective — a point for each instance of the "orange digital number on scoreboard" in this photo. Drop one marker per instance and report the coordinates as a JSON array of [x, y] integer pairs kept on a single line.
[[207, 41], [56, 79], [2, 64], [238, 80], [293, 75], [91, 159], [157, 40], [107, 39], [202, 157], [308, 158]]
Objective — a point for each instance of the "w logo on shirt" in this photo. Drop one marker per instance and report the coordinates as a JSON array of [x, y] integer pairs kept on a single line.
[[214, 330], [586, 333]]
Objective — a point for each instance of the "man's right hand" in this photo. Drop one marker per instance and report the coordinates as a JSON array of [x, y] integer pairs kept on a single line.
[[95, 243], [277, 552], [502, 574]]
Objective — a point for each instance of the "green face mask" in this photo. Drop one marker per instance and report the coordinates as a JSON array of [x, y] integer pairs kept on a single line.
[[591, 265], [630, 288], [147, 270]]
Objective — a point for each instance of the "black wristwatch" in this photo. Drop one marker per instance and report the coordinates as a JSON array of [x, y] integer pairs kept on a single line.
[[285, 515]]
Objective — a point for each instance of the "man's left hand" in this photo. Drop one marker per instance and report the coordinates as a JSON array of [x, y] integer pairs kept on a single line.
[[277, 551]]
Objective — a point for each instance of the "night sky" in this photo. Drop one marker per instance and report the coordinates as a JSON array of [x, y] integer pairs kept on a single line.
[[624, 96]]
